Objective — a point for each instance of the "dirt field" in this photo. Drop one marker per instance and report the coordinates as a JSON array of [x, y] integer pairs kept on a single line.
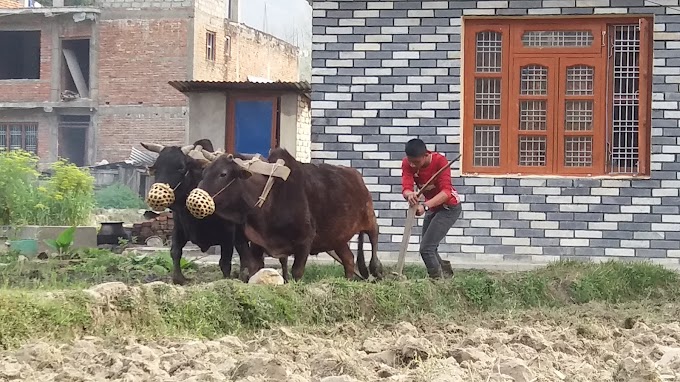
[[532, 351]]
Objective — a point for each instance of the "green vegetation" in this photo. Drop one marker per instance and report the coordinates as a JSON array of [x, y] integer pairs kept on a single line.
[[65, 198], [118, 196], [323, 298]]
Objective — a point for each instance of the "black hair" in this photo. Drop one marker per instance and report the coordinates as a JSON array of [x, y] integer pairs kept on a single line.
[[415, 148]]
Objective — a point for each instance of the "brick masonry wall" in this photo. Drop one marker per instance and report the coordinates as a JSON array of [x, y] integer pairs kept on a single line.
[[137, 58], [254, 53], [47, 146], [11, 4], [387, 71], [25, 90], [303, 147]]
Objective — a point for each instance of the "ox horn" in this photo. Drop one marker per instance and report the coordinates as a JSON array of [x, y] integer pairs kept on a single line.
[[153, 147], [187, 148]]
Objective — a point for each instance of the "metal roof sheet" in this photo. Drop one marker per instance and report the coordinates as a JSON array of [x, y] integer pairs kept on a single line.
[[199, 86]]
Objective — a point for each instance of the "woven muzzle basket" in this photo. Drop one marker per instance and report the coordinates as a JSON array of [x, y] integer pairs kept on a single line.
[[200, 204], [160, 196]]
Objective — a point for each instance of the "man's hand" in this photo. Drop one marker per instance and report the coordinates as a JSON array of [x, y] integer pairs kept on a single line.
[[420, 211], [412, 198]]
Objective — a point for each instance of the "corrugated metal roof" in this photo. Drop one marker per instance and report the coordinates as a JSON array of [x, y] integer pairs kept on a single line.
[[198, 86]]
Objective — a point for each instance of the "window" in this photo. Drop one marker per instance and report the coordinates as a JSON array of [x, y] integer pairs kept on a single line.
[[20, 58], [210, 46], [227, 46], [562, 96], [18, 135]]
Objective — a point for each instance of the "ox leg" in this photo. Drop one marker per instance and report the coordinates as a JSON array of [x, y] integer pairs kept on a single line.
[[284, 268], [178, 243], [361, 258], [244, 252], [347, 258], [254, 261], [375, 266], [299, 262], [226, 254]]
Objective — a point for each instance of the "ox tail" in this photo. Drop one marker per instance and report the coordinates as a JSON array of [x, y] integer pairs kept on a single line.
[[361, 259]]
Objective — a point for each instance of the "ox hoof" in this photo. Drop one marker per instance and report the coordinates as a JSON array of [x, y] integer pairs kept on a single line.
[[179, 280]]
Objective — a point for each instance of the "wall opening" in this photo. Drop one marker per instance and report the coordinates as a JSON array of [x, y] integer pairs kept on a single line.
[[75, 72], [20, 58], [73, 138]]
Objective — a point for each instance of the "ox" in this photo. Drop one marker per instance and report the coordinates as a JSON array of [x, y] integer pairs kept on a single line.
[[180, 168], [318, 208]]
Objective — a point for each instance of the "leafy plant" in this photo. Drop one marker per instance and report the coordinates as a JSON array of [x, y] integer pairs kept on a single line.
[[118, 196], [62, 244]]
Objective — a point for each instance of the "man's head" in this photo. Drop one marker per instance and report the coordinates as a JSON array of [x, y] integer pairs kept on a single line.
[[417, 154]]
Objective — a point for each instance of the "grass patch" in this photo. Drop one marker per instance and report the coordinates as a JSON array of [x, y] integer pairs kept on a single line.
[[227, 306]]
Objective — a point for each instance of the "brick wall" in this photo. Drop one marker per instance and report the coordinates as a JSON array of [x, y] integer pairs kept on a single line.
[[121, 128], [137, 58], [11, 4], [31, 90], [303, 148], [254, 53], [359, 119], [47, 145]]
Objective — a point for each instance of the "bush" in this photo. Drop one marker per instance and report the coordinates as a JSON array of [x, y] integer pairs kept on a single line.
[[118, 196], [66, 198]]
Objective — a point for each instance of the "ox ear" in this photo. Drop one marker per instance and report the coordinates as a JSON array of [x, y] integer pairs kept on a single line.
[[244, 174], [153, 147]]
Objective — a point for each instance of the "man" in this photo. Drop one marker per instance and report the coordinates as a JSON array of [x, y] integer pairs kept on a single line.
[[442, 203]]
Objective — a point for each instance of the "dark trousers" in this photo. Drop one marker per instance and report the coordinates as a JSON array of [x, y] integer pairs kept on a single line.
[[435, 228]]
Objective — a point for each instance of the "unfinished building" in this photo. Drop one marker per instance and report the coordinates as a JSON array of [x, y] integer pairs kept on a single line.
[[89, 83]]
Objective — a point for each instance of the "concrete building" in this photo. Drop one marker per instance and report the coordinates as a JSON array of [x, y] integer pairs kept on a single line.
[[89, 83], [565, 112]]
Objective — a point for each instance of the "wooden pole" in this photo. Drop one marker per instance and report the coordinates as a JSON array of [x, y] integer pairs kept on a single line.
[[411, 218]]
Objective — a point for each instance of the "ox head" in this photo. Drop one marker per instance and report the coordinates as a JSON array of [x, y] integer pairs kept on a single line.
[[220, 188], [176, 171]]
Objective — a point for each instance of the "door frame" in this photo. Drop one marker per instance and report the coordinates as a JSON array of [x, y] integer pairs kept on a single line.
[[230, 128]]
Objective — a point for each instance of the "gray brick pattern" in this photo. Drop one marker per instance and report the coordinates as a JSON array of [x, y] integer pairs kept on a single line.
[[386, 71]]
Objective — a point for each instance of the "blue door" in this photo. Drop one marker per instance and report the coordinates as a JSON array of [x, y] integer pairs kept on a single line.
[[253, 124]]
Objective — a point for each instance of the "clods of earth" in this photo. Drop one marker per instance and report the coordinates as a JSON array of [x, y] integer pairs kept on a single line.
[[503, 351]]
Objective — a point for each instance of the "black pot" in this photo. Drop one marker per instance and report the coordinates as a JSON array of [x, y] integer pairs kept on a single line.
[[111, 232]]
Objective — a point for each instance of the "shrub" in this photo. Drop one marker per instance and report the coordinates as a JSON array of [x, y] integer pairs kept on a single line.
[[118, 196], [65, 198]]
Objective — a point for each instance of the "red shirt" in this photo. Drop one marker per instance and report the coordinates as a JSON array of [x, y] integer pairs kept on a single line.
[[441, 183]]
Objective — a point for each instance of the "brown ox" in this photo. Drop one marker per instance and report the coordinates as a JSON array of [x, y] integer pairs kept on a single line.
[[319, 208]]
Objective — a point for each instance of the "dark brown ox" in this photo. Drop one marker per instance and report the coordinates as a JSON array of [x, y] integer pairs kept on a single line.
[[319, 208], [182, 173]]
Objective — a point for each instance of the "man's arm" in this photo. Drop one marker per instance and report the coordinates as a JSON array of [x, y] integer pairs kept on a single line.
[[443, 183], [407, 181]]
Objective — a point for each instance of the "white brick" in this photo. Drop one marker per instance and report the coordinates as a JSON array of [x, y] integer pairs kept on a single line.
[[592, 3], [434, 38], [665, 227], [506, 198], [459, 240], [492, 4], [408, 89], [395, 63], [523, 241], [587, 199], [647, 201], [324, 105], [366, 14], [588, 234], [378, 38], [575, 242], [351, 121], [476, 215], [618, 217], [406, 22], [379, 105], [532, 215], [380, 5], [388, 130], [516, 207], [394, 96], [605, 191], [547, 224], [564, 233], [390, 164], [635, 243], [478, 12], [636, 209], [378, 187], [338, 130], [574, 208], [394, 30], [472, 248], [479, 181], [559, 199], [406, 122], [619, 252], [609, 10], [485, 223], [352, 22], [673, 253], [366, 147], [406, 55], [488, 190], [615, 183], [367, 46], [435, 4], [528, 251], [547, 191], [559, 3], [503, 232], [338, 97], [326, 5], [420, 113], [544, 11], [425, 80], [607, 226], [324, 154], [434, 104], [670, 218], [350, 138]]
